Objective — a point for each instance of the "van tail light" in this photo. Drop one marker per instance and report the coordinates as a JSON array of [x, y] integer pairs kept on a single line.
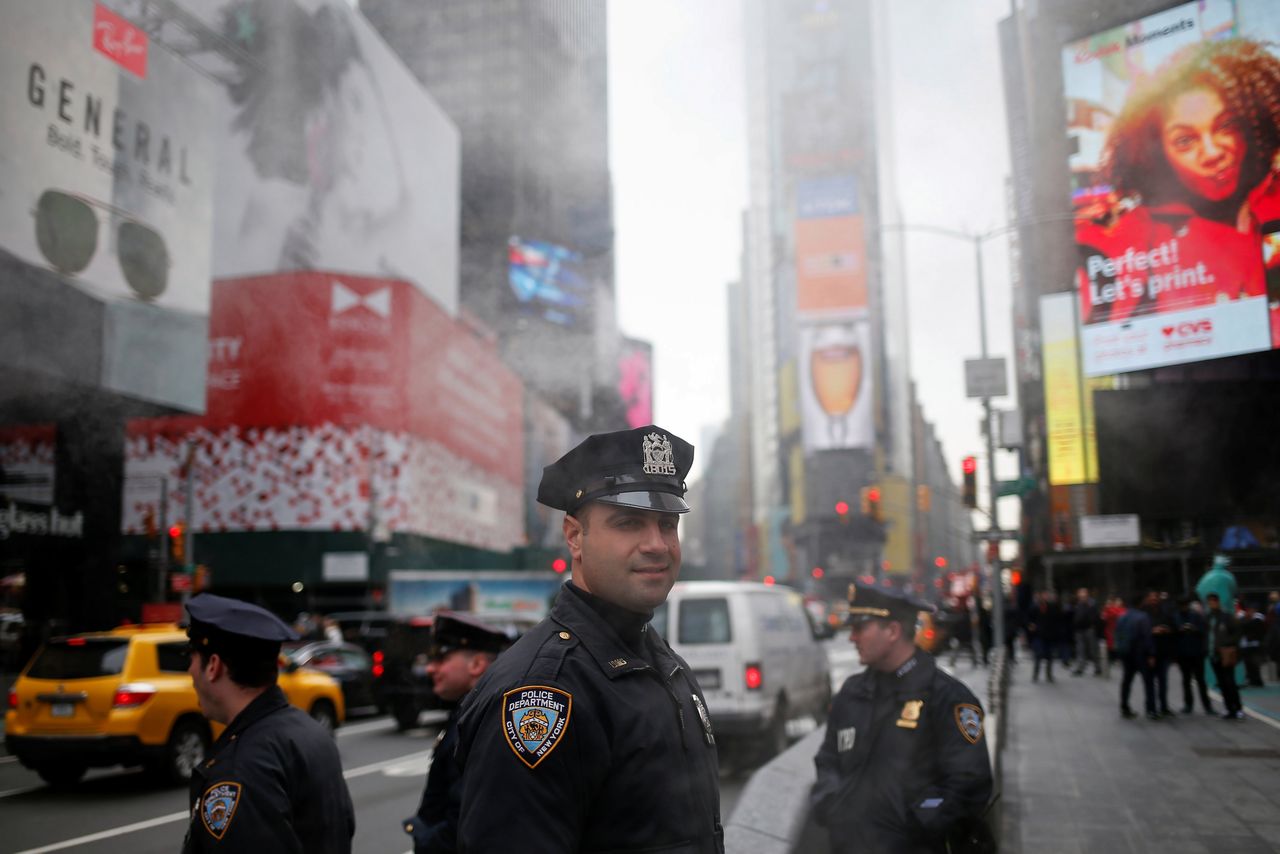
[[755, 677], [13, 698], [132, 694], [378, 667]]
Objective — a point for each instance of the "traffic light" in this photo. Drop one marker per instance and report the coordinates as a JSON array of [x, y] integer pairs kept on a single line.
[[873, 503], [924, 499], [178, 543], [969, 492], [818, 572], [842, 510], [559, 564]]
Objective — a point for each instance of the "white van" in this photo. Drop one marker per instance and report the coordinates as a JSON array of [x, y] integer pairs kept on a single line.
[[756, 654]]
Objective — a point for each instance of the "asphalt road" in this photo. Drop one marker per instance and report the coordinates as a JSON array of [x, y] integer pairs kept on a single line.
[[114, 810]]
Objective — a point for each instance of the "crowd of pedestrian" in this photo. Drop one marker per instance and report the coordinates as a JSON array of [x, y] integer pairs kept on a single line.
[[1150, 635]]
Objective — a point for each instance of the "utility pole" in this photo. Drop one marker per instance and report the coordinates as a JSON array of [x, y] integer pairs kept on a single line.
[[995, 580]]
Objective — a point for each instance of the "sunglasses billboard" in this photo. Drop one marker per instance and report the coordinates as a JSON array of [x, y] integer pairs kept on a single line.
[[67, 228]]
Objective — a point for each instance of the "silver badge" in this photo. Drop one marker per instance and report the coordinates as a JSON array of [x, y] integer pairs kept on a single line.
[[845, 739], [658, 456], [704, 717]]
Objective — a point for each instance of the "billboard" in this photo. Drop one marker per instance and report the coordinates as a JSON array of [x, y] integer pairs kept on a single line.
[[1173, 135], [836, 394], [548, 282], [107, 167], [635, 381]]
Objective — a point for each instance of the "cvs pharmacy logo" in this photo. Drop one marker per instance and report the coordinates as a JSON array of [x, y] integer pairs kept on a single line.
[[1189, 329], [120, 41]]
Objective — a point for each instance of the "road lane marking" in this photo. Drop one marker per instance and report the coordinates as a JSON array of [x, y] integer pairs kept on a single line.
[[184, 815], [10, 792], [4, 759]]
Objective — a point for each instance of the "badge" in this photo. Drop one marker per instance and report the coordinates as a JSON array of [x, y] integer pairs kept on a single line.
[[534, 719], [218, 807], [704, 717], [845, 738], [658, 456], [969, 721], [910, 716]]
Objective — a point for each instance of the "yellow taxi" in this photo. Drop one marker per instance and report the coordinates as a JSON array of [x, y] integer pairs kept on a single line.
[[124, 697]]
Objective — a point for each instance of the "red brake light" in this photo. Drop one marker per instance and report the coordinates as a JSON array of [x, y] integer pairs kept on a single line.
[[378, 667], [133, 694], [13, 698], [755, 677], [928, 634], [75, 641]]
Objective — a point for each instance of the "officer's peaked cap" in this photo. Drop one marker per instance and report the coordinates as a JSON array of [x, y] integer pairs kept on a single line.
[[217, 621], [866, 600], [643, 468], [452, 631]]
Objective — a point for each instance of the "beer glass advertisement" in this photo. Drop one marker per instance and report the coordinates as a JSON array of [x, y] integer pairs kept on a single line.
[[106, 170], [1174, 130], [836, 395]]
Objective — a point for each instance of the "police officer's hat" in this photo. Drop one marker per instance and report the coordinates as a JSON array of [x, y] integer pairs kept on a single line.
[[643, 468], [452, 631], [218, 623], [868, 602]]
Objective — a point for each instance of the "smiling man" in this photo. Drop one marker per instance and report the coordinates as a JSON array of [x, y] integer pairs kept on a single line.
[[590, 732]]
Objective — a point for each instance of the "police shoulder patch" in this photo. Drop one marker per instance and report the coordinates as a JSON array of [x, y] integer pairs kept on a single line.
[[534, 720], [218, 807], [969, 721]]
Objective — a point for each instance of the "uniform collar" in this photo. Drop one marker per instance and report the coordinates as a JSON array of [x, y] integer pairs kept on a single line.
[[629, 626], [915, 673], [262, 705], [574, 611]]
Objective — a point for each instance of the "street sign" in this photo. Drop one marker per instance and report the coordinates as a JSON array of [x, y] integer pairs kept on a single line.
[[1021, 486], [985, 378], [995, 534]]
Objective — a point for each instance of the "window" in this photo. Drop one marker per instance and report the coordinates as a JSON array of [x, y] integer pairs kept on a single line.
[[172, 657], [85, 660], [704, 621]]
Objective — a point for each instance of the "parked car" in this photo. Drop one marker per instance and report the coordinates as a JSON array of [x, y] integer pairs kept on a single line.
[[347, 663], [404, 688], [124, 697], [756, 654]]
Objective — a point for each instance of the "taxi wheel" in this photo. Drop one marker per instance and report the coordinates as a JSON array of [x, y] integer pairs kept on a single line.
[[61, 774], [187, 747], [323, 713]]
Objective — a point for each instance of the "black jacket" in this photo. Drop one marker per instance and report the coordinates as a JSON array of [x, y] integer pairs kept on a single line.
[[574, 741], [904, 761], [273, 782], [434, 827]]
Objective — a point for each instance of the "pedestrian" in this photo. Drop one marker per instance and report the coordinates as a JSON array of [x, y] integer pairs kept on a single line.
[[1137, 653], [1110, 615], [986, 636], [1192, 648], [273, 779], [1164, 637], [462, 649], [1085, 620], [590, 734], [1224, 654], [904, 762], [1253, 635], [1013, 620], [1045, 631], [960, 625], [1273, 633]]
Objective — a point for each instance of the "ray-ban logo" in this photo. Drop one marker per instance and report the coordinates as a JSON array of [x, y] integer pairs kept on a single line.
[[119, 40]]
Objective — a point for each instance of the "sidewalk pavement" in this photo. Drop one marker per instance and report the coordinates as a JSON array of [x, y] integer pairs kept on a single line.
[[1079, 778]]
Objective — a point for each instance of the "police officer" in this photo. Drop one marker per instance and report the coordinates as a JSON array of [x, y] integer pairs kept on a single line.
[[904, 762], [273, 780], [462, 648], [590, 734]]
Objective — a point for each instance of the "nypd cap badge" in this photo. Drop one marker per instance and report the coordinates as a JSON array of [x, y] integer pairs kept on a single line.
[[218, 807], [534, 720], [969, 721]]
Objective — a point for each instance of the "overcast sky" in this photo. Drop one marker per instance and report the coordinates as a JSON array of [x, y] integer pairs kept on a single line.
[[679, 159]]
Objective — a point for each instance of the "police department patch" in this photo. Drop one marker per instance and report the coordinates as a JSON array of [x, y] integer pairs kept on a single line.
[[534, 719], [218, 807], [969, 721]]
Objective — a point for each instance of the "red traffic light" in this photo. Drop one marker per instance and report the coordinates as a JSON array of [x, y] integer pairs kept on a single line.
[[940, 562], [817, 572], [175, 531], [873, 494], [1015, 578], [559, 564], [969, 465], [842, 508], [768, 579]]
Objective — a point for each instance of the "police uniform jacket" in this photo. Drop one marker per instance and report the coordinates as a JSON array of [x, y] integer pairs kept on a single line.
[[904, 761], [435, 826], [633, 768], [273, 782]]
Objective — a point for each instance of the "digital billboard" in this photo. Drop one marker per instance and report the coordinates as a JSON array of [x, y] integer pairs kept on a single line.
[[635, 381], [836, 395], [547, 282], [1174, 131]]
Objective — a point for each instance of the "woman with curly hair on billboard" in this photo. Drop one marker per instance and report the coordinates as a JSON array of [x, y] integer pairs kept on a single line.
[[1191, 164]]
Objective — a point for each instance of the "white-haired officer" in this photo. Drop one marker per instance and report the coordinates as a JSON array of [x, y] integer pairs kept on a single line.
[[590, 734]]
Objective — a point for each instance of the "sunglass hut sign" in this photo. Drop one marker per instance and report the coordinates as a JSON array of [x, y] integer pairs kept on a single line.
[[85, 125]]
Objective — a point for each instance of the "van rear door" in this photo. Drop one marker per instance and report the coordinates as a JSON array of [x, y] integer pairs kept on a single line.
[[701, 630]]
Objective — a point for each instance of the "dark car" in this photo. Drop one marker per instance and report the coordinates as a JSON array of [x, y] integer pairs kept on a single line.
[[397, 646], [347, 663]]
